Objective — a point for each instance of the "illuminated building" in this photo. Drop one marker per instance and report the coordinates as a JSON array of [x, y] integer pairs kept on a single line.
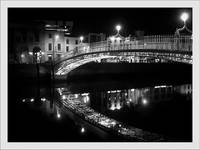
[[50, 37]]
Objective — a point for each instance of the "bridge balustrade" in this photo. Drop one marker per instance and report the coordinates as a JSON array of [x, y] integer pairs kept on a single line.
[[155, 42]]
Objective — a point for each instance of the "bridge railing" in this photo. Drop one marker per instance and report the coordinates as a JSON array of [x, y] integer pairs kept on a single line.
[[155, 42]]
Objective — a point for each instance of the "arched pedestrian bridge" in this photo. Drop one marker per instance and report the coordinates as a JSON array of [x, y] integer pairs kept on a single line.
[[146, 50]]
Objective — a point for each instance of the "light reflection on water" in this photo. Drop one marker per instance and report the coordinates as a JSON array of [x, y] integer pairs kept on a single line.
[[112, 100], [117, 99]]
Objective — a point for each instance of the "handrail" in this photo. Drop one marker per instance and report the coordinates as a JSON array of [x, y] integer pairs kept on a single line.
[[153, 42]]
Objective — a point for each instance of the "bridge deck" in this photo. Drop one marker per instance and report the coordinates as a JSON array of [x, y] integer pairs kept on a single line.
[[165, 47]]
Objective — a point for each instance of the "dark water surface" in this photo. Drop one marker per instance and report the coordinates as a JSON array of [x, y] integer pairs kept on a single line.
[[36, 112]]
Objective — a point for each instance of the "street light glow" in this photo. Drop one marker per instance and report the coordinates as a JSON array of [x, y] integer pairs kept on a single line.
[[56, 37], [58, 115], [144, 101], [81, 38], [184, 17], [82, 130], [118, 28], [43, 99]]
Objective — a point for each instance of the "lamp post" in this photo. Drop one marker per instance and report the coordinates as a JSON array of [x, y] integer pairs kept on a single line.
[[184, 17], [54, 40], [81, 39], [118, 28], [178, 40], [55, 37]]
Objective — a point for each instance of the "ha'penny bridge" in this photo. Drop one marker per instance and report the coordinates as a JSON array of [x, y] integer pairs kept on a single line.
[[149, 49]]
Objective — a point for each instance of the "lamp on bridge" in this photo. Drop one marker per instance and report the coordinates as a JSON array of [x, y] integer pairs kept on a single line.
[[184, 17], [81, 44], [55, 38], [81, 38], [118, 28]]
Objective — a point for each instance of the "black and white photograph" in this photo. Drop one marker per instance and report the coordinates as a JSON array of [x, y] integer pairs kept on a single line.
[[100, 74]]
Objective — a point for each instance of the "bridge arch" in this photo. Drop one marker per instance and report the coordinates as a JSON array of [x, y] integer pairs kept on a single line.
[[166, 50]]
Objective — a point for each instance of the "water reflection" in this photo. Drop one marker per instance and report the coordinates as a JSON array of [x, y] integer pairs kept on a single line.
[[82, 130], [45, 105], [118, 110], [118, 99], [115, 100]]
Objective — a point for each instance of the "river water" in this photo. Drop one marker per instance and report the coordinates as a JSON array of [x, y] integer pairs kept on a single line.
[[40, 112]]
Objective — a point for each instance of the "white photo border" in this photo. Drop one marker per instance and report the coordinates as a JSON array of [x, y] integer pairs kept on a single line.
[[195, 5]]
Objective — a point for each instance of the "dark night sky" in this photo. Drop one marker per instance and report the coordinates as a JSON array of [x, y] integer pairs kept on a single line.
[[151, 20]]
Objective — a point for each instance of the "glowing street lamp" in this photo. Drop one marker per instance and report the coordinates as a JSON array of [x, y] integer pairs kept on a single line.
[[81, 38], [81, 43], [118, 28], [58, 115], [144, 102], [184, 17], [56, 37]]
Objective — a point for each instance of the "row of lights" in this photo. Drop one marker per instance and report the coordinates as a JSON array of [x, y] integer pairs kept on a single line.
[[32, 100], [183, 17], [31, 53]]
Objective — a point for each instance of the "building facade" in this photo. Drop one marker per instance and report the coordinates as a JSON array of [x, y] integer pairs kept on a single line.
[[57, 44], [50, 39], [46, 41]]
